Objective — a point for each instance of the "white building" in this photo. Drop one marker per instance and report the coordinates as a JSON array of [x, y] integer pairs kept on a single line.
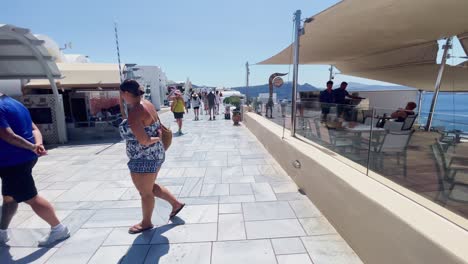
[[163, 86], [154, 80]]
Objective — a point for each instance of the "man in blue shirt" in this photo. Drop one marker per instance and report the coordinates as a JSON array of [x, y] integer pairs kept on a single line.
[[327, 99], [340, 95], [20, 146]]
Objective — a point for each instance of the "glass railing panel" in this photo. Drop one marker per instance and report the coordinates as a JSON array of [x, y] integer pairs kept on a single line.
[[433, 164], [340, 128]]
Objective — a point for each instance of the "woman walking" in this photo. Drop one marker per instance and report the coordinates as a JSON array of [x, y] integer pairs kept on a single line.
[[178, 108], [196, 106], [142, 132]]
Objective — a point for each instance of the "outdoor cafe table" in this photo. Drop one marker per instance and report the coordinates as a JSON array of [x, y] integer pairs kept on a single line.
[[358, 129]]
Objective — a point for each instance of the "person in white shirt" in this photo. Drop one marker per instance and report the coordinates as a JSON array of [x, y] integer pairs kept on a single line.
[[196, 105]]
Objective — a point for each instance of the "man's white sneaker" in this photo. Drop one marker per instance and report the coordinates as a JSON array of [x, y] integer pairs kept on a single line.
[[4, 237], [55, 236]]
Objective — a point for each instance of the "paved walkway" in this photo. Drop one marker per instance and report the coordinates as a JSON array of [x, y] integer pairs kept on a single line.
[[242, 207]]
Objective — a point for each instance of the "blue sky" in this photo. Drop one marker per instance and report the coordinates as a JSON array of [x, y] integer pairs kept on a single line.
[[206, 40]]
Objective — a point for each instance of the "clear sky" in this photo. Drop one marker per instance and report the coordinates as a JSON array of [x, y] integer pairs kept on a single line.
[[206, 40]]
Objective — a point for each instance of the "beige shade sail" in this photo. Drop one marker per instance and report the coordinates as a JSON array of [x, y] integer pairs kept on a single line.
[[421, 54], [356, 28], [386, 40], [423, 76], [83, 75]]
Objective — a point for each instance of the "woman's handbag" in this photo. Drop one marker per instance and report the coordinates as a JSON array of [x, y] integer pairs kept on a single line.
[[166, 133], [166, 136]]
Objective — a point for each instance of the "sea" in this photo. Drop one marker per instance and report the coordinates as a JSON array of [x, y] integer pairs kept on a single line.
[[451, 111]]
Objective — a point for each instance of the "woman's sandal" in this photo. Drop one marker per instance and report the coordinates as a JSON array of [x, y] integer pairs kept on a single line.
[[174, 213], [136, 230]]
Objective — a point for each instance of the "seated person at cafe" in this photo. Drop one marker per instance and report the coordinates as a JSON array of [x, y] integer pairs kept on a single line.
[[340, 95], [401, 114], [326, 100], [103, 114]]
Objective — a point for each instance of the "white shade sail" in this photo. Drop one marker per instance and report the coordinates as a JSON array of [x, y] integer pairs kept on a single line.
[[22, 55], [364, 36]]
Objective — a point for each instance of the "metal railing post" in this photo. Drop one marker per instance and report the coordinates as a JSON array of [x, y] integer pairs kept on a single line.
[[297, 29], [447, 46]]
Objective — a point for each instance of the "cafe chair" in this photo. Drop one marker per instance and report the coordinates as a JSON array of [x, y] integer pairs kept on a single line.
[[393, 144], [409, 122], [448, 169]]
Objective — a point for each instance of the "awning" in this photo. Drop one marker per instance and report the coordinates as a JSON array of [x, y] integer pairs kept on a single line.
[[357, 28], [364, 35], [22, 55], [83, 75], [455, 78]]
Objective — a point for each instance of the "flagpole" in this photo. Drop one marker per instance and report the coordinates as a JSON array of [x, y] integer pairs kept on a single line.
[[123, 111]]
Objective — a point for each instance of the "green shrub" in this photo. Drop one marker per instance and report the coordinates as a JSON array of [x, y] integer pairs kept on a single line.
[[233, 100]]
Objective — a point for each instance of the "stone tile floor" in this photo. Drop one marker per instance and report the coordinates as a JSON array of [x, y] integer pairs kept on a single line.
[[241, 206]]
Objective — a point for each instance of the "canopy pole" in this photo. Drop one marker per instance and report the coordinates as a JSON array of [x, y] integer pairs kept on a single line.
[[247, 74], [420, 100], [447, 46], [331, 73], [297, 34]]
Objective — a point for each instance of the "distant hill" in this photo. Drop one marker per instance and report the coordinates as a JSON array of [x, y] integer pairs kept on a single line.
[[284, 91]]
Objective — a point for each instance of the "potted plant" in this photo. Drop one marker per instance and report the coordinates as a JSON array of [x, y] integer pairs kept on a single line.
[[236, 114]]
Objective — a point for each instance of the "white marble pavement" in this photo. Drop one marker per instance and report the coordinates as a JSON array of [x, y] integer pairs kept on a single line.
[[241, 206]]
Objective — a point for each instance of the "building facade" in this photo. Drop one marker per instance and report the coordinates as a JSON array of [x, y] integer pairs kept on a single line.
[[154, 80]]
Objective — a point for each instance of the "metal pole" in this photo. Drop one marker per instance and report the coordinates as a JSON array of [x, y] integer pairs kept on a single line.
[[420, 105], [297, 34], [118, 50], [447, 46], [331, 73], [123, 106], [247, 74], [369, 151]]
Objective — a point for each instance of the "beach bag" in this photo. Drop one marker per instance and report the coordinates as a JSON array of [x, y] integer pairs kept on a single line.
[[166, 136]]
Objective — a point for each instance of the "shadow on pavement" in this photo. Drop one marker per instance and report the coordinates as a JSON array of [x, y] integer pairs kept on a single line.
[[5, 255], [156, 252]]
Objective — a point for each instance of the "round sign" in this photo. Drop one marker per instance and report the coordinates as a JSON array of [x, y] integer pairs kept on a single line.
[[278, 82]]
